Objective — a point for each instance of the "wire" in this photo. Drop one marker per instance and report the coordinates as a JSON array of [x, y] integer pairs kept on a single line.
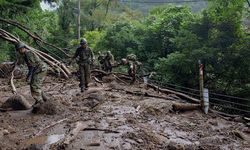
[[182, 91], [220, 100], [228, 96], [187, 88], [229, 107], [170, 84]]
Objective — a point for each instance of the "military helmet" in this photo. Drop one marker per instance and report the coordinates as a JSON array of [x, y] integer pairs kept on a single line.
[[131, 57], [83, 41], [20, 45]]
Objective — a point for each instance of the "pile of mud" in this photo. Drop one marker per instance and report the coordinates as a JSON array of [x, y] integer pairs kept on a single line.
[[50, 107], [16, 102]]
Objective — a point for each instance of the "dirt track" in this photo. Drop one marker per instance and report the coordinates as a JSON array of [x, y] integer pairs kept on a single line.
[[109, 118]]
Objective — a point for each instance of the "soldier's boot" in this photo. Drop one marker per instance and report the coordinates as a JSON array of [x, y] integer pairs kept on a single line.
[[44, 96], [82, 89], [36, 106], [38, 103]]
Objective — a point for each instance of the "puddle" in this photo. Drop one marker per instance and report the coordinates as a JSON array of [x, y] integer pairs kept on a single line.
[[46, 141]]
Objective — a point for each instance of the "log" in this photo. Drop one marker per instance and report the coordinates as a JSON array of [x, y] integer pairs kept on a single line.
[[167, 91], [117, 78], [239, 134], [52, 64], [185, 107], [12, 78], [96, 129], [146, 95], [79, 126], [246, 119], [51, 125]]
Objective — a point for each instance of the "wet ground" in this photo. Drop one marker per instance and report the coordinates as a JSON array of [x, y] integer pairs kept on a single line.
[[108, 117]]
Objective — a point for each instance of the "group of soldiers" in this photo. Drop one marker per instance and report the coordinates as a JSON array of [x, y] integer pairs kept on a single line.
[[105, 62], [84, 57]]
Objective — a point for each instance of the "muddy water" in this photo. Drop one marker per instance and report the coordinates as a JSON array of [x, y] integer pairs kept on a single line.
[[45, 141]]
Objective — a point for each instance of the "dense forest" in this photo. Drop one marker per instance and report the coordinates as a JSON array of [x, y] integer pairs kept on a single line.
[[168, 39]]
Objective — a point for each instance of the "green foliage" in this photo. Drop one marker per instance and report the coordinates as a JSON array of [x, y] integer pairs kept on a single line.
[[119, 39], [170, 40], [93, 37]]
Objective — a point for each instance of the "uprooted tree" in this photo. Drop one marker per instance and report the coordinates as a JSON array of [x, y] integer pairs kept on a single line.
[[51, 61]]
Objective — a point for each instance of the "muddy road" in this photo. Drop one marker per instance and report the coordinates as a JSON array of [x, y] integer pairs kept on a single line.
[[108, 117]]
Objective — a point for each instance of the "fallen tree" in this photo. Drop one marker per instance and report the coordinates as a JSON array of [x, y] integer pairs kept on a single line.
[[185, 107], [52, 62], [34, 36]]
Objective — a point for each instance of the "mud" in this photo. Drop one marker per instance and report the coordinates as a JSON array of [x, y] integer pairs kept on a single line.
[[49, 108], [117, 120], [16, 102]]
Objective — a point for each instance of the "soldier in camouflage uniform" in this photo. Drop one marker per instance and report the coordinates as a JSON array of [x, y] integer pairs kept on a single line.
[[132, 63], [86, 57], [37, 71], [100, 60], [108, 62]]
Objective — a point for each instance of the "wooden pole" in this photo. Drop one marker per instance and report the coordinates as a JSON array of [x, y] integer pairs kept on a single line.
[[201, 83]]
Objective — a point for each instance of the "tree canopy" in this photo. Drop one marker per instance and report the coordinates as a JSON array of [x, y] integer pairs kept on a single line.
[[169, 39]]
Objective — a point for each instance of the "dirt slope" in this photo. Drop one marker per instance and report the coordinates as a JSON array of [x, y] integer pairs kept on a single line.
[[107, 117]]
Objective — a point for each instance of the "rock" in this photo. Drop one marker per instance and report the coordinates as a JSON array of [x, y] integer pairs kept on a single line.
[[35, 147], [127, 146], [139, 140], [175, 146], [6, 132], [11, 130]]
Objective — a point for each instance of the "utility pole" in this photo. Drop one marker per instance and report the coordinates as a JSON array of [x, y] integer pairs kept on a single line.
[[79, 20]]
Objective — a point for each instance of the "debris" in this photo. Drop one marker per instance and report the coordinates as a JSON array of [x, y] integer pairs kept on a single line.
[[48, 108], [6, 132], [94, 144], [51, 125], [185, 107], [16, 102], [175, 146], [167, 91], [96, 129], [79, 126], [239, 134]]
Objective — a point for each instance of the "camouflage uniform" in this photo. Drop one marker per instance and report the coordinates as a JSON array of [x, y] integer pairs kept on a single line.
[[108, 61], [85, 59], [38, 71], [100, 59], [132, 63]]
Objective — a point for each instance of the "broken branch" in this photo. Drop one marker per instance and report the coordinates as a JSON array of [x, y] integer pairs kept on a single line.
[[33, 36]]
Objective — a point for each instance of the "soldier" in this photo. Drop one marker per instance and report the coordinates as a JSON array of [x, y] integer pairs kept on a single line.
[[37, 71], [100, 59], [85, 58], [133, 64], [108, 62]]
